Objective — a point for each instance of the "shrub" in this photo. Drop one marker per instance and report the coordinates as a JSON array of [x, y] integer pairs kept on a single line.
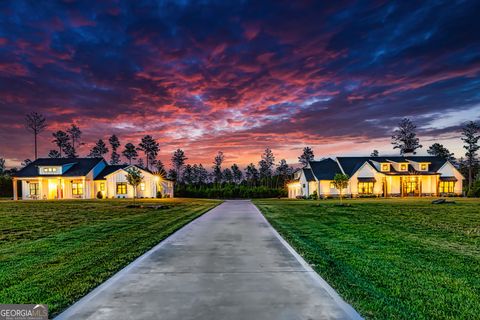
[[99, 195], [159, 195]]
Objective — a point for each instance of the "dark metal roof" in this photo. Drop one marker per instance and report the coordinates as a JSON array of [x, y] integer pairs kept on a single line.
[[351, 164], [109, 169], [80, 167], [308, 175], [366, 179], [325, 169]]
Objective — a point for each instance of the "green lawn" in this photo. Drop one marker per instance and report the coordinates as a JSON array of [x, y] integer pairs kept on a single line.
[[390, 258], [55, 252]]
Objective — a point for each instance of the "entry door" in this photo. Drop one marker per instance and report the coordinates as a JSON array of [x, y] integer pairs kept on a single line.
[[411, 186]]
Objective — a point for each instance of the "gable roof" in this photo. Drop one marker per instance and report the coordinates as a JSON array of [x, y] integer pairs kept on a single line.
[[325, 169], [308, 174], [110, 169], [80, 166]]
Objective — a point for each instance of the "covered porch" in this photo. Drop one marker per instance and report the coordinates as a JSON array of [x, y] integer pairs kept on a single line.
[[50, 188]]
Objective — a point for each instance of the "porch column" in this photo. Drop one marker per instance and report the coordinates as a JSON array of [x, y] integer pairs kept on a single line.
[[40, 188], [15, 189], [84, 188]]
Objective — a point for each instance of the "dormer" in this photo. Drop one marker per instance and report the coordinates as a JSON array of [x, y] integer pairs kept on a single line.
[[50, 170], [400, 166], [381, 166], [420, 166]]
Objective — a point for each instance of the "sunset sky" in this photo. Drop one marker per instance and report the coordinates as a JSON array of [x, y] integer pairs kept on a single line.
[[238, 76]]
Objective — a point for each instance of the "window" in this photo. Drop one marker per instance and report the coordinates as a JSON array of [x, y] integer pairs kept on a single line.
[[121, 188], [49, 170], [33, 189], [385, 167], [77, 188], [423, 167], [102, 186], [142, 186], [332, 185], [447, 187], [365, 188], [403, 167]]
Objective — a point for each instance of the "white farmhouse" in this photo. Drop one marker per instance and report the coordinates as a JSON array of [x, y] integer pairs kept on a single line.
[[83, 178], [379, 176]]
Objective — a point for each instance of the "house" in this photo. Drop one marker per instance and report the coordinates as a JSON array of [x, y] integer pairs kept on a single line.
[[83, 178], [378, 176]]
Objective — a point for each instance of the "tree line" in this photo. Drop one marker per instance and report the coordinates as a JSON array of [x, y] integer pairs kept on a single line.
[[266, 174]]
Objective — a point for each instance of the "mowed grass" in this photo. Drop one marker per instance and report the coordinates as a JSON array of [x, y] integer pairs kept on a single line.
[[390, 258], [55, 252]]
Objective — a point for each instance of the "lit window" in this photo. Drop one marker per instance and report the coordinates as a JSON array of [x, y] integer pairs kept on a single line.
[[332, 185], [385, 167], [121, 188], [423, 167], [102, 186], [403, 167], [142, 186], [446, 186], [77, 188], [54, 169], [365, 188], [33, 189]]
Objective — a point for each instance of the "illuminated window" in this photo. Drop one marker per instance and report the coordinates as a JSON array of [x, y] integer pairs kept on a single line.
[[447, 187], [54, 169], [121, 188], [423, 167], [403, 167], [142, 186], [365, 188], [385, 167], [33, 189], [49, 170], [332, 185], [77, 188], [102, 186]]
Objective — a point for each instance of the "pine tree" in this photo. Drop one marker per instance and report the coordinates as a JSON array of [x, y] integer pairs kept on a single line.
[[470, 136], [306, 156], [62, 140], [439, 150], [374, 153], [178, 161], [130, 152], [114, 143], [217, 167], [98, 150], [35, 123], [75, 135], [237, 174], [54, 154], [150, 147], [405, 137]]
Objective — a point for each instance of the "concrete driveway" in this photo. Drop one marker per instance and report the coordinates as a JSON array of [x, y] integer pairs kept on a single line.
[[228, 264]]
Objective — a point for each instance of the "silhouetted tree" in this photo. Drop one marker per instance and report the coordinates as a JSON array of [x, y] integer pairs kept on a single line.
[[2, 166], [54, 154], [141, 163], [306, 156], [470, 136], [172, 175], [217, 167], [150, 147], [201, 174], [439, 150], [98, 150], [405, 137], [114, 143], [251, 174], [130, 152], [159, 168], [62, 140], [75, 135], [26, 162], [237, 173], [374, 153], [227, 175], [35, 123], [178, 161]]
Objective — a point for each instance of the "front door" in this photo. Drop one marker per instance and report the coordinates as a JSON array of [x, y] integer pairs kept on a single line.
[[411, 186]]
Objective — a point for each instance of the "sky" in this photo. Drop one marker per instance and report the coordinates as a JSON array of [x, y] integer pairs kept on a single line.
[[239, 76]]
